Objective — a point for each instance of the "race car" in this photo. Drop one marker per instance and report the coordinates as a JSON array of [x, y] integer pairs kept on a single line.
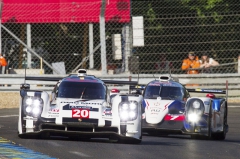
[[169, 109], [80, 107]]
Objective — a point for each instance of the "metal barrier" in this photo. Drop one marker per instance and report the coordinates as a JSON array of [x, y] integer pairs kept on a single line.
[[211, 81]]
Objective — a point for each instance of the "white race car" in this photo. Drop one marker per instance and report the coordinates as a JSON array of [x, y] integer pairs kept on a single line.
[[80, 106]]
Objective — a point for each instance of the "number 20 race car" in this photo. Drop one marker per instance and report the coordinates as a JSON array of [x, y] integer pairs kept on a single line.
[[80, 107], [169, 109]]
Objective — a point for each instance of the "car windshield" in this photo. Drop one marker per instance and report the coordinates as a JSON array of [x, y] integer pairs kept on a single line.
[[81, 90], [166, 92]]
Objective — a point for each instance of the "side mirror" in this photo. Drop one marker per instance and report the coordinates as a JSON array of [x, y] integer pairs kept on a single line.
[[22, 93], [106, 104], [25, 86], [53, 99]]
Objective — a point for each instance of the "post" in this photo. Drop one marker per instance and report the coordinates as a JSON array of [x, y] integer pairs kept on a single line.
[[1, 6], [29, 55], [130, 79], [238, 64], [91, 59], [126, 46], [102, 38], [41, 66]]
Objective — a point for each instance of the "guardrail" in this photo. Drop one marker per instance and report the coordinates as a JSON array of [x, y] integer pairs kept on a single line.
[[212, 81]]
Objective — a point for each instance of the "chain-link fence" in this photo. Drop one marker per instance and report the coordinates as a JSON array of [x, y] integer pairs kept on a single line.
[[171, 29]]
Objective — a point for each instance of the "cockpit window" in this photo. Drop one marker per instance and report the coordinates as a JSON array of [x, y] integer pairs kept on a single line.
[[81, 90], [152, 92], [165, 92]]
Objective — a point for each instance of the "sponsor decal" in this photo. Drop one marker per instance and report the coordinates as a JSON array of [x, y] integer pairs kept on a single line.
[[107, 112], [174, 117], [79, 107], [156, 104], [80, 113], [155, 110], [53, 114], [54, 110], [83, 103]]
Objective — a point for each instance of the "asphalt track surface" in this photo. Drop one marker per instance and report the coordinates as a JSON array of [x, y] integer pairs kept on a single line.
[[173, 146]]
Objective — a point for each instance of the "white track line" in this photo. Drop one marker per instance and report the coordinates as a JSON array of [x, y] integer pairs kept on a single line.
[[7, 116], [79, 154]]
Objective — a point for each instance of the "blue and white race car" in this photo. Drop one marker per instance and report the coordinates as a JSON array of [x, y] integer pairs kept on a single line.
[[169, 109], [80, 107]]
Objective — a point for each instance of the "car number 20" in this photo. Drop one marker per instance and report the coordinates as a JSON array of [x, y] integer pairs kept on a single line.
[[80, 113]]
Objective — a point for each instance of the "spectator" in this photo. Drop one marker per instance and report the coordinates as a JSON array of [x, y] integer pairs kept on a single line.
[[191, 63], [163, 64], [207, 62], [3, 63]]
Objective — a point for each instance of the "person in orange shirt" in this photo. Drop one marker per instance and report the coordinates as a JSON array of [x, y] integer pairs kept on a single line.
[[3, 63], [190, 63]]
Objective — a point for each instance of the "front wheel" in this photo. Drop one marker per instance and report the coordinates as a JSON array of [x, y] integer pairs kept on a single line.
[[222, 135], [209, 135]]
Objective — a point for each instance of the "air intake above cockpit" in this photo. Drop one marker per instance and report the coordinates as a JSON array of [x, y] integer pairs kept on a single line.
[[82, 72]]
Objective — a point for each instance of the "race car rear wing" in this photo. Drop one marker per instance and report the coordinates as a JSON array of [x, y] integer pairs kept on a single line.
[[198, 90], [141, 87], [59, 78], [215, 91]]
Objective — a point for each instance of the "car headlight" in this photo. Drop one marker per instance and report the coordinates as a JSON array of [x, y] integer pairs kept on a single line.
[[32, 106], [133, 105], [194, 109], [128, 111], [193, 117], [29, 101], [125, 106], [196, 104]]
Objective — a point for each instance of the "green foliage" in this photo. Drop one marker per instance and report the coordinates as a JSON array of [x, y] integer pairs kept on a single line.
[[151, 15], [203, 7]]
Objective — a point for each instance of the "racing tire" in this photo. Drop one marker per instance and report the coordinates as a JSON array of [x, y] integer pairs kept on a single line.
[[209, 134], [26, 136], [129, 141], [222, 135], [194, 137]]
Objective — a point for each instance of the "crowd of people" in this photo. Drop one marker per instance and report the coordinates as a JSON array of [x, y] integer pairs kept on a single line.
[[190, 65], [194, 65]]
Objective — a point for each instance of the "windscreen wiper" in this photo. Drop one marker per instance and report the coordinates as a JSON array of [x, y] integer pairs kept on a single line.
[[83, 92]]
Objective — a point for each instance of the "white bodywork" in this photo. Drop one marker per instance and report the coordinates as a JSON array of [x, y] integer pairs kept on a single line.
[[133, 128], [156, 110]]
